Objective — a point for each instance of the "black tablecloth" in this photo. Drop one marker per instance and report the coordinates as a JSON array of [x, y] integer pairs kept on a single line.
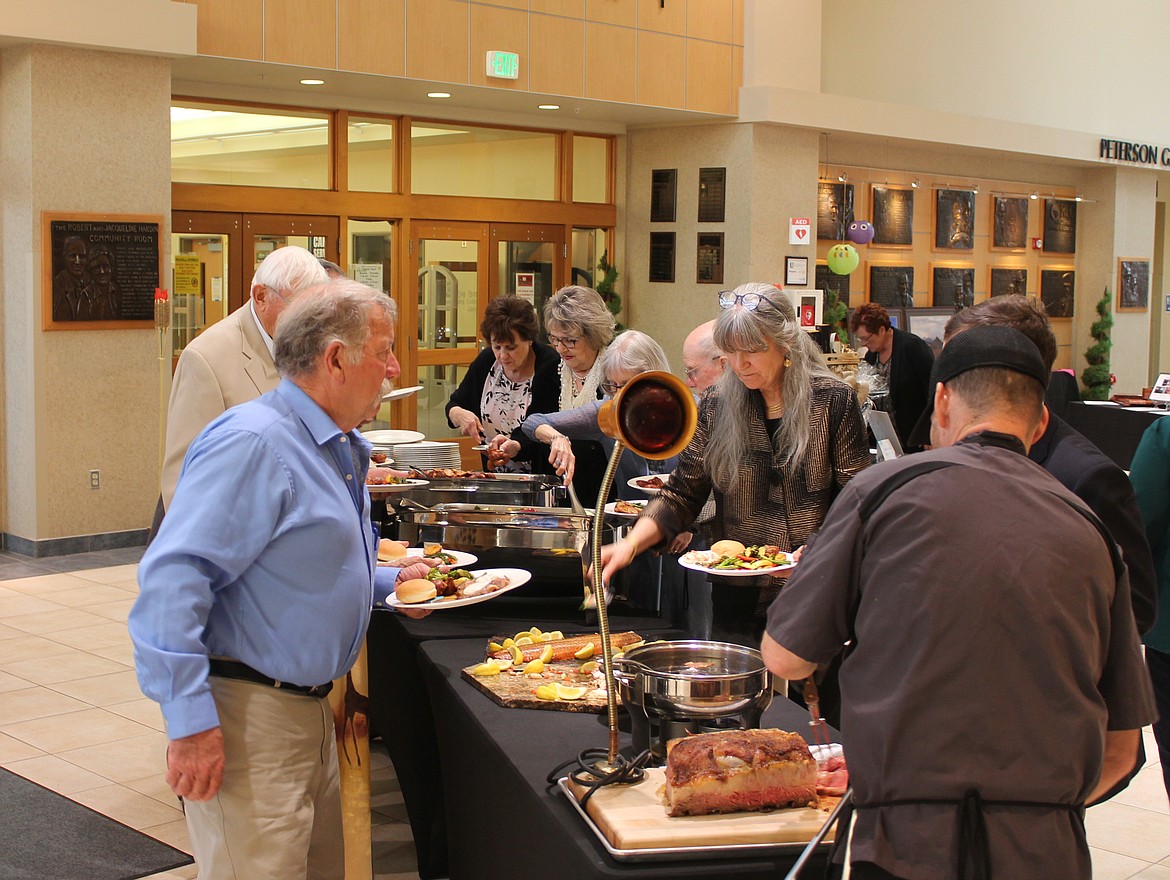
[[1115, 430], [503, 819], [400, 709]]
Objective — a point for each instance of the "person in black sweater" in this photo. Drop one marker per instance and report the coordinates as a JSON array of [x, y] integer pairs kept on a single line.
[[511, 378], [907, 360]]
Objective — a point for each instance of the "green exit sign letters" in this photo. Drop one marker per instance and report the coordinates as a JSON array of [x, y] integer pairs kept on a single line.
[[503, 65]]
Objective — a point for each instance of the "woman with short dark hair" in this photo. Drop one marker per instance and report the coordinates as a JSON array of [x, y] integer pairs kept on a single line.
[[904, 359], [511, 378]]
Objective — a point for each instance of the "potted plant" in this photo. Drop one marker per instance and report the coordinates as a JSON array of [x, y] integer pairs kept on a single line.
[[1096, 377]]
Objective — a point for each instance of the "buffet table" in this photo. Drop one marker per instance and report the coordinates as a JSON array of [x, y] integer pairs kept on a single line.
[[1115, 430], [502, 817], [400, 706]]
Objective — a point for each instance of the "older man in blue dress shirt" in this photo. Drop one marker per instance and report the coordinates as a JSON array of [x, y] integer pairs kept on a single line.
[[257, 592]]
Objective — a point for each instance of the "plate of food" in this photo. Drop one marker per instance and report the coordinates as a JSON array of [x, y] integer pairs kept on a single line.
[[437, 552], [632, 509], [650, 484], [384, 484], [457, 588], [732, 559]]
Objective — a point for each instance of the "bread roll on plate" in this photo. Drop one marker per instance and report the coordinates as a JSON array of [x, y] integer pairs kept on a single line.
[[728, 547], [414, 591], [389, 550]]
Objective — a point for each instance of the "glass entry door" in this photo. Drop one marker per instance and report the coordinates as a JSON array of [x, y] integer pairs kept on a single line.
[[528, 261], [451, 294]]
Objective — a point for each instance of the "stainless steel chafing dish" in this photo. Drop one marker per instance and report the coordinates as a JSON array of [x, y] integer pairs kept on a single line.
[[537, 490], [551, 542]]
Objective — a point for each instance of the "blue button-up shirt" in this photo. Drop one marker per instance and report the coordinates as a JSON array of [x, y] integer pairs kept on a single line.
[[266, 556]]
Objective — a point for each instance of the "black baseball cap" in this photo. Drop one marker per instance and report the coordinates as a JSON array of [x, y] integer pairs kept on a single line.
[[992, 346]]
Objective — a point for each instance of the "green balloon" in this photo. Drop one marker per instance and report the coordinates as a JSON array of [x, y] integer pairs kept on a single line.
[[843, 259]]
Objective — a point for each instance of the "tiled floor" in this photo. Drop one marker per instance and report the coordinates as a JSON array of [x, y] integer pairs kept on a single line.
[[72, 719]]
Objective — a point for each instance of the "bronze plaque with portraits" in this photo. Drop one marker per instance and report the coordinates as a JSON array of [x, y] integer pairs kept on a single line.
[[712, 195], [893, 216], [954, 220], [1008, 281], [1060, 226], [100, 271], [1009, 222], [834, 210], [1058, 292], [828, 280], [953, 287], [1133, 284], [892, 286]]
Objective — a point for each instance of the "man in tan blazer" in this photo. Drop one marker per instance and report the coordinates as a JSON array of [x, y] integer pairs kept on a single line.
[[231, 362]]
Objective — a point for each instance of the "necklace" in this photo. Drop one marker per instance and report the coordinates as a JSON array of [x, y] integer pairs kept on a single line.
[[776, 410]]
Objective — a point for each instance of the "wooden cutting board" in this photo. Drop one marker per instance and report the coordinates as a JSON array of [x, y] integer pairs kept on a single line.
[[519, 691], [633, 817]]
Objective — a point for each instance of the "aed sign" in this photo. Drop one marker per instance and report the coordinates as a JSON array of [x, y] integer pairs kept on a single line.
[[503, 65]]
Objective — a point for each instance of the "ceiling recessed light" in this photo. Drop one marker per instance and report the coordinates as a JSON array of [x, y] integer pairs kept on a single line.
[[438, 94], [548, 106], [312, 82]]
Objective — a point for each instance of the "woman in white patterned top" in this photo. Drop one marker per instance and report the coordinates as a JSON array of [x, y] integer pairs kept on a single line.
[[514, 376]]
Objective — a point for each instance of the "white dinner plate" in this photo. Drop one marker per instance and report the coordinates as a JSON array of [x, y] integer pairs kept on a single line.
[[402, 392], [517, 577], [688, 560], [392, 437], [395, 488], [632, 482], [609, 508], [462, 560]]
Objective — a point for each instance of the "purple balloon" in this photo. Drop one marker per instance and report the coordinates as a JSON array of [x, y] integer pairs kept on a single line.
[[860, 232]]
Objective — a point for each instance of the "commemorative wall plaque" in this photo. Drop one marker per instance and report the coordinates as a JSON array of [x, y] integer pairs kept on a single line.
[[834, 210], [893, 216]]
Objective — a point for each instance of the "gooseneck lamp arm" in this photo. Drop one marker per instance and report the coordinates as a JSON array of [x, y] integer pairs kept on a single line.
[[654, 415]]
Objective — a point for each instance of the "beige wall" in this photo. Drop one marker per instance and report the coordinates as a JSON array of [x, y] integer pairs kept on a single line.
[[1079, 65], [80, 131]]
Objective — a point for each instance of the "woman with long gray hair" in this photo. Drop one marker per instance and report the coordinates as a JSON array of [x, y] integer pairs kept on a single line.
[[778, 437]]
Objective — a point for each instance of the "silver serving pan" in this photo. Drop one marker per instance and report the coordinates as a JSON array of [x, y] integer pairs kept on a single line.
[[536, 490], [693, 679]]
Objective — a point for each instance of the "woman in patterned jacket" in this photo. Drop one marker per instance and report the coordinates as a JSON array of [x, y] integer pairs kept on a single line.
[[777, 439]]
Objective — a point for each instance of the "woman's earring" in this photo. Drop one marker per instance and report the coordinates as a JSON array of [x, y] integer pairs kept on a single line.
[[787, 363]]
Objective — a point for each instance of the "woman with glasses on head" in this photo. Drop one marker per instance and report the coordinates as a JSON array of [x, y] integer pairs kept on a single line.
[[902, 359], [777, 439], [579, 327], [509, 380]]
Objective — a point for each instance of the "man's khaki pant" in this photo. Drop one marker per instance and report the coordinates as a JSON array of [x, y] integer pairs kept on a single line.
[[278, 814]]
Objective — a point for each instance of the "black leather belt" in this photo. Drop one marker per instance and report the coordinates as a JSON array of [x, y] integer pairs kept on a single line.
[[244, 672]]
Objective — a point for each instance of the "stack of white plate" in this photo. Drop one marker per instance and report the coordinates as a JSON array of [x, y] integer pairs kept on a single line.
[[428, 454], [384, 441]]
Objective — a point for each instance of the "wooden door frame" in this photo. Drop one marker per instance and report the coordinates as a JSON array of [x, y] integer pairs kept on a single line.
[[554, 233]]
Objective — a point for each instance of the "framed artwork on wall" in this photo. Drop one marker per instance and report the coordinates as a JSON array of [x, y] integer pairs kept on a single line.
[[1008, 280], [796, 271], [709, 258], [952, 286], [954, 220], [1133, 284], [893, 216], [662, 256], [663, 193], [1060, 226], [891, 286], [834, 210], [100, 271], [1058, 291], [712, 194], [1009, 223], [929, 324], [827, 280]]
